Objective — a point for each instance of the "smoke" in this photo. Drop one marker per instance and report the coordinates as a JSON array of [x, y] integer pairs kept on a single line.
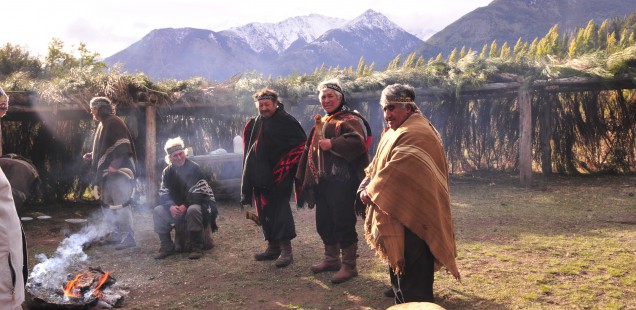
[[51, 272]]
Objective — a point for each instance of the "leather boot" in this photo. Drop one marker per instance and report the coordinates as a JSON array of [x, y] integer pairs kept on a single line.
[[167, 246], [286, 257], [271, 253], [348, 269], [196, 243], [331, 262]]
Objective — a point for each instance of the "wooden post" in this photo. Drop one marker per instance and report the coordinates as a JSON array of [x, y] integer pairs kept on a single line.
[[151, 156], [525, 138], [546, 134]]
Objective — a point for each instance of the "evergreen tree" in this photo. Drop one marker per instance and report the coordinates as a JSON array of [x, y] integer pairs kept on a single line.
[[493, 49], [484, 52], [603, 34], [395, 63], [517, 49], [370, 69], [360, 69], [624, 38], [420, 62], [611, 43], [590, 36], [532, 50], [505, 51], [452, 58], [549, 45], [410, 61]]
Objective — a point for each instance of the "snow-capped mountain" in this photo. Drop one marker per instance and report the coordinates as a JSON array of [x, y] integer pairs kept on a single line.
[[298, 43], [265, 37], [370, 35]]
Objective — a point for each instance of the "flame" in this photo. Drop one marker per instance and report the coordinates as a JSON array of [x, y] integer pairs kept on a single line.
[[100, 282], [72, 289]]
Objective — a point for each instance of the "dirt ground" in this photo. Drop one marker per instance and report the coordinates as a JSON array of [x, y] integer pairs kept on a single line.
[[227, 277]]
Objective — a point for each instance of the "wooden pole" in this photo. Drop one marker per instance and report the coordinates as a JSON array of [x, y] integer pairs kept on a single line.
[[546, 134], [151, 156], [525, 138]]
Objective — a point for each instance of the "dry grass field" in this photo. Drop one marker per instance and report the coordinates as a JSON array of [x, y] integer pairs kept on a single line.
[[566, 243]]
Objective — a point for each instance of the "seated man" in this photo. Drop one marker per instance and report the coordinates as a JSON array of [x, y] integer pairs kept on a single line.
[[184, 195]]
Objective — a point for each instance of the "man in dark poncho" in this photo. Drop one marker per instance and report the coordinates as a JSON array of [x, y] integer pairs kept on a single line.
[[113, 161], [273, 143], [184, 195]]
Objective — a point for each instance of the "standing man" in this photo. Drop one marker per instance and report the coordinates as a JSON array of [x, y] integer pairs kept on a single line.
[[113, 160], [13, 251], [408, 219], [184, 195], [273, 142], [330, 170]]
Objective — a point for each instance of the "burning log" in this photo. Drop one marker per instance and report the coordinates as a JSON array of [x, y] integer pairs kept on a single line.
[[84, 290]]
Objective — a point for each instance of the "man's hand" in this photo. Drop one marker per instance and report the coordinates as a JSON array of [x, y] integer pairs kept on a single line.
[[177, 211], [325, 144], [364, 197], [88, 157]]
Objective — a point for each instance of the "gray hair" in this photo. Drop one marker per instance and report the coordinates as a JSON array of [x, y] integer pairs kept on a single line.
[[331, 84], [103, 105], [172, 145], [399, 93]]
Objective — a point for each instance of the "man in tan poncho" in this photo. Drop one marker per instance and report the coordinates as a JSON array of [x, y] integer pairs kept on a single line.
[[408, 218]]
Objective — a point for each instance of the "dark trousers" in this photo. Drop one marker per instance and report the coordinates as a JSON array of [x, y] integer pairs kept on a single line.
[[275, 213], [335, 214], [416, 283]]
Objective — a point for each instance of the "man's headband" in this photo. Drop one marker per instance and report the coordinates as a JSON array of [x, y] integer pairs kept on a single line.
[[175, 148], [334, 87], [401, 100], [266, 97]]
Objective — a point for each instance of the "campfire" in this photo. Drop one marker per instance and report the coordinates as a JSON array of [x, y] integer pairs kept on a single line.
[[91, 288], [64, 280]]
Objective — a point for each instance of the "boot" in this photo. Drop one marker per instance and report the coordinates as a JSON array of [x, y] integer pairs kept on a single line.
[[348, 269], [167, 246], [331, 262], [286, 257], [196, 242], [271, 253]]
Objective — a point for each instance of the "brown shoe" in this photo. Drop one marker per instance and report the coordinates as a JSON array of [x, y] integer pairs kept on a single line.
[[286, 257], [348, 269], [271, 253], [331, 262]]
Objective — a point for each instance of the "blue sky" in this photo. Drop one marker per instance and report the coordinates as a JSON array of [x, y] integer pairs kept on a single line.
[[110, 26]]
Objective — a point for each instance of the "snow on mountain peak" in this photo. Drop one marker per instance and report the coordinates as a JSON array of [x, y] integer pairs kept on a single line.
[[262, 37]]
